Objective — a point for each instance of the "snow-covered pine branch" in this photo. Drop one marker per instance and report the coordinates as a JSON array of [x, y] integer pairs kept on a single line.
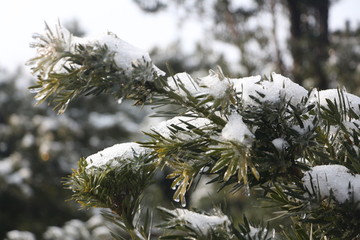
[[335, 181], [68, 66], [245, 133]]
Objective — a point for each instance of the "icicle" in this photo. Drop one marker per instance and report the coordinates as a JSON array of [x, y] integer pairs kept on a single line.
[[63, 107], [119, 101], [183, 204], [183, 201], [247, 190], [273, 234], [40, 97], [34, 90]]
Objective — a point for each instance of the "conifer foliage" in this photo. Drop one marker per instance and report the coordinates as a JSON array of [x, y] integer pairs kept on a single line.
[[297, 149]]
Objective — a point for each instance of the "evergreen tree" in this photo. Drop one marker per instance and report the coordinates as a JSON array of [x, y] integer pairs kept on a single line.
[[253, 31], [296, 151]]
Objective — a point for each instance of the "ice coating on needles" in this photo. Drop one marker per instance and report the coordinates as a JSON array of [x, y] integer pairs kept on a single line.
[[201, 222]]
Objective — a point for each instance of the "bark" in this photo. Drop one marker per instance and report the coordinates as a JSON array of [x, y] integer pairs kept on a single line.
[[309, 42]]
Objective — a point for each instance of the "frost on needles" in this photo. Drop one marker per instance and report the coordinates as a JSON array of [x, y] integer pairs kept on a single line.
[[68, 66], [295, 149]]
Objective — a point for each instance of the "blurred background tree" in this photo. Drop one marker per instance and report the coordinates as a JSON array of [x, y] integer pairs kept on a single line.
[[254, 30]]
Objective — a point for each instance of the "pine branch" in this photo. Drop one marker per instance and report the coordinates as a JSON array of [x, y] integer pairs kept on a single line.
[[187, 224], [118, 185], [69, 67]]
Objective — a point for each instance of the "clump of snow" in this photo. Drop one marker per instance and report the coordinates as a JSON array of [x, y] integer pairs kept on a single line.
[[28, 140], [308, 125], [75, 229], [258, 233], [202, 222], [292, 92], [186, 80], [236, 130], [351, 101], [247, 86], [352, 125], [6, 166], [94, 228], [165, 128], [280, 144], [125, 53], [101, 232], [95, 221], [20, 235], [335, 178], [119, 151], [15, 171], [268, 91], [53, 46], [336, 132], [215, 85], [54, 232]]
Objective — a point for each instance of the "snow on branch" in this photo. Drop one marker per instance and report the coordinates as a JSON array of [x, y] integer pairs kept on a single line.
[[197, 221], [115, 155], [59, 44], [344, 100], [236, 130], [268, 91], [114, 177], [172, 126], [68, 66], [333, 180]]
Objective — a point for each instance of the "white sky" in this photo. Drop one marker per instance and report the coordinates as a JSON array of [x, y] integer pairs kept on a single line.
[[19, 19]]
